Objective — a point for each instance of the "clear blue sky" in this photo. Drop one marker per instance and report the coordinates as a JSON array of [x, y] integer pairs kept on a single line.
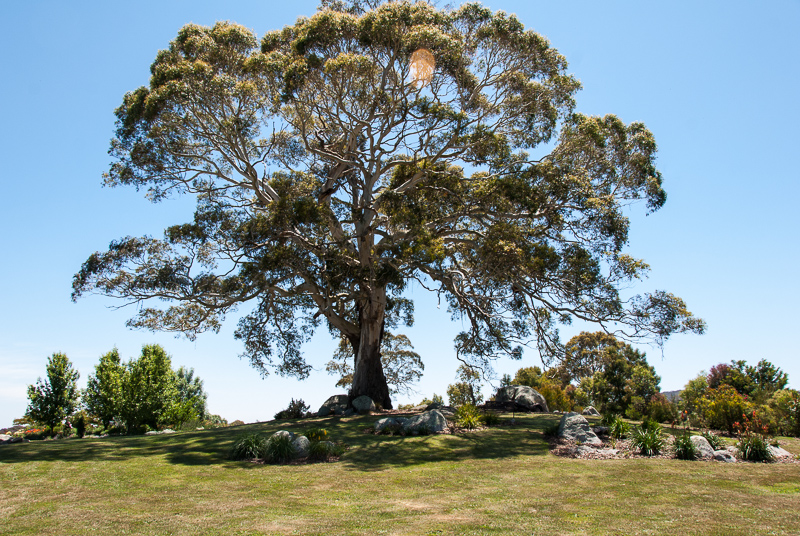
[[716, 82]]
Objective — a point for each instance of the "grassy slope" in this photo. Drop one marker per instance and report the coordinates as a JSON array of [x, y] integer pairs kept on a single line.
[[498, 481]]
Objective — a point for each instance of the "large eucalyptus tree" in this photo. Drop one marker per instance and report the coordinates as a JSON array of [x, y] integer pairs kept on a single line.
[[330, 172]]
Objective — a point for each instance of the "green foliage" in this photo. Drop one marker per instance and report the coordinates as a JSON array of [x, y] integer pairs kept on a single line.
[[103, 394], [56, 398], [148, 389], [79, 421], [650, 425], [618, 428], [316, 434], [248, 446], [754, 448], [467, 417], [550, 431], [692, 392], [357, 203], [466, 391], [648, 441], [758, 382], [684, 448], [529, 376], [490, 418], [786, 404], [180, 412], [279, 449], [190, 388], [713, 439], [587, 353], [722, 407], [297, 409], [437, 399], [325, 450], [625, 382]]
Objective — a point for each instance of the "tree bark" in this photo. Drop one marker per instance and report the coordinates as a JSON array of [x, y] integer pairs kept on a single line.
[[368, 376]]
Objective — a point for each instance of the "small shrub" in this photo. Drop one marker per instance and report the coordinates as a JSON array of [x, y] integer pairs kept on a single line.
[[650, 425], [722, 407], [618, 428], [325, 450], [754, 448], [80, 424], [551, 430], [316, 434], [684, 448], [297, 410], [490, 418], [608, 418], [248, 446], [648, 441], [467, 417], [279, 449], [713, 439], [753, 445]]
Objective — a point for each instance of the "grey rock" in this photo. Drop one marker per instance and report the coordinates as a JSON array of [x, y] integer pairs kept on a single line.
[[432, 420], [575, 427], [349, 412], [338, 411], [522, 396], [591, 412], [333, 403], [433, 405], [301, 445], [4, 437], [448, 411], [778, 452], [387, 422], [724, 456], [702, 446], [600, 430], [285, 433], [363, 403]]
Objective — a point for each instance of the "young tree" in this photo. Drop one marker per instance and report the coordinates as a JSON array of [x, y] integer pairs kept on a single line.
[[330, 172], [625, 382], [103, 394], [55, 398], [148, 388], [190, 391], [468, 389]]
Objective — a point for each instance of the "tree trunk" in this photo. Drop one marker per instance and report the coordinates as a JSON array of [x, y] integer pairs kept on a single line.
[[368, 377]]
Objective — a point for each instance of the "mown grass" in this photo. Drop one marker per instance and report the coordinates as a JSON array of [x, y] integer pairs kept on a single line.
[[497, 481]]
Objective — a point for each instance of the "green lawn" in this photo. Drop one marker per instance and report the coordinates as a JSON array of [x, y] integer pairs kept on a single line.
[[497, 481]]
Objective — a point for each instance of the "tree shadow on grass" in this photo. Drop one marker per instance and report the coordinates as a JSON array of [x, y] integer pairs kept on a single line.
[[367, 452]]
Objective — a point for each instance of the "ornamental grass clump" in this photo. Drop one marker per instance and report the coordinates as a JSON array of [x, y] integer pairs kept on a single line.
[[279, 449], [467, 417], [248, 446], [618, 428], [490, 418], [684, 448], [753, 444], [648, 440]]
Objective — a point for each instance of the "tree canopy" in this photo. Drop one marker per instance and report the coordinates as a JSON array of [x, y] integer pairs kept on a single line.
[[328, 176], [53, 400]]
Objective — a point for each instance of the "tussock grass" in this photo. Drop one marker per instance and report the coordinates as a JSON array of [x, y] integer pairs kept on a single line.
[[500, 480]]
